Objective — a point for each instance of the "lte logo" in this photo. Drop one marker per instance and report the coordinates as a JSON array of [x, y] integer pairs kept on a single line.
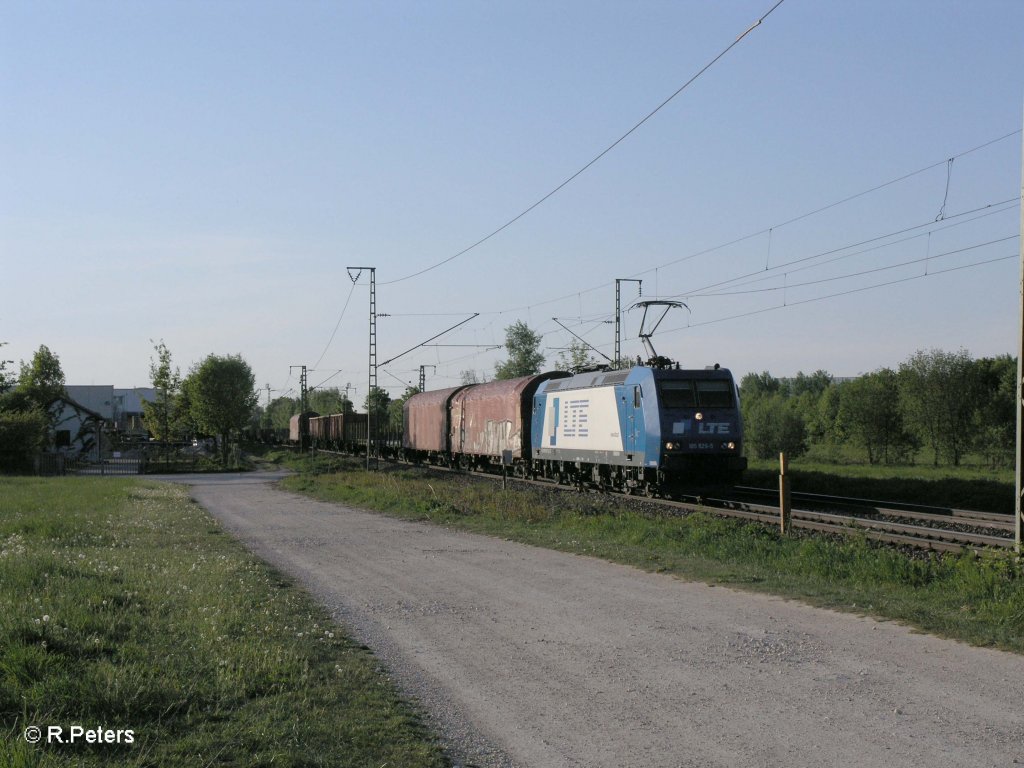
[[721, 428], [703, 428]]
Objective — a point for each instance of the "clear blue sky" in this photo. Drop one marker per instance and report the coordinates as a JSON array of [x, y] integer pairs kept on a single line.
[[203, 172]]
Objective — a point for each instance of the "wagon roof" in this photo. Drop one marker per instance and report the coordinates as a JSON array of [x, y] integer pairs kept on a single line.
[[434, 397], [505, 387]]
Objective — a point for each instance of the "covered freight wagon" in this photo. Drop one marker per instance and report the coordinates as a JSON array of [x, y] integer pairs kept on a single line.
[[298, 427], [488, 419], [426, 426]]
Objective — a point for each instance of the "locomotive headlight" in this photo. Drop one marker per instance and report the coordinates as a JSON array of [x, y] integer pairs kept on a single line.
[[729, 446], [732, 446], [699, 416], [668, 446]]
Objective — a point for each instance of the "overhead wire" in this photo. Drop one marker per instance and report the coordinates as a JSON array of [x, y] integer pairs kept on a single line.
[[595, 159], [317, 386], [789, 303], [336, 326], [822, 209], [579, 293], [767, 230], [762, 275], [895, 233], [947, 223], [840, 293], [910, 262]]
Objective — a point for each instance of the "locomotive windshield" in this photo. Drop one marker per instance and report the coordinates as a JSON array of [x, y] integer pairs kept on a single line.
[[703, 393]]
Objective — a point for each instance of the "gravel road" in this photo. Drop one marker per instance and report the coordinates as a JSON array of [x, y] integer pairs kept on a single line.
[[527, 657]]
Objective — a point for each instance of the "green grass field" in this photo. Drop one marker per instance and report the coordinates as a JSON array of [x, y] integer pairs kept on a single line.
[[125, 606], [976, 599], [967, 487]]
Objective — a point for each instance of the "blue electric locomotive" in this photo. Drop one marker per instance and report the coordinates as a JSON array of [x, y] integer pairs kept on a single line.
[[645, 429]]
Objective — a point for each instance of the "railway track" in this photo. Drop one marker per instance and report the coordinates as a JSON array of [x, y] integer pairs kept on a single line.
[[911, 525], [920, 526]]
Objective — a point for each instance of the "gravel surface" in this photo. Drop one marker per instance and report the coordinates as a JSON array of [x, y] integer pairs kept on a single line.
[[528, 657]]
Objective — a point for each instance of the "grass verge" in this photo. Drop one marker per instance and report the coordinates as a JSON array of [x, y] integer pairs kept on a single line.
[[976, 599], [961, 489], [957, 493], [125, 606]]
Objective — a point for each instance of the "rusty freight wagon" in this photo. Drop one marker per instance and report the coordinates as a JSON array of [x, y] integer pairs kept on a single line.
[[426, 433], [340, 431], [317, 429], [298, 427], [486, 420]]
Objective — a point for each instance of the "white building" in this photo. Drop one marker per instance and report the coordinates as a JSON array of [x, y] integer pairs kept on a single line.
[[85, 405]]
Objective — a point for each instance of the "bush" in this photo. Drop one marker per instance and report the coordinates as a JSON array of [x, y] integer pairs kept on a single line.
[[774, 424], [22, 435]]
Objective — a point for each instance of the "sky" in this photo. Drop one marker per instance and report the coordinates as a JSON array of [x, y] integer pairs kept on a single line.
[[838, 191]]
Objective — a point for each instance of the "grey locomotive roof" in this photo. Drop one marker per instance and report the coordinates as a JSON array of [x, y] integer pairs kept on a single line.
[[591, 379]]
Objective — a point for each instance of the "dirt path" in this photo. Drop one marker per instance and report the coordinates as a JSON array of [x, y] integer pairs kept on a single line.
[[529, 657]]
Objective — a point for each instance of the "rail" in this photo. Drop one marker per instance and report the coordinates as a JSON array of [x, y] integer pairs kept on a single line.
[[946, 529]]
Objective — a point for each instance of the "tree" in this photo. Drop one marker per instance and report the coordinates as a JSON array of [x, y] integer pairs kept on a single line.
[[869, 413], [280, 411], [6, 379], [159, 414], [376, 405], [524, 356], [756, 384], [813, 384], [221, 394], [185, 424], [823, 424], [576, 358], [396, 408], [472, 377], [995, 416], [22, 435], [938, 393], [329, 400], [39, 386], [26, 416], [774, 424]]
